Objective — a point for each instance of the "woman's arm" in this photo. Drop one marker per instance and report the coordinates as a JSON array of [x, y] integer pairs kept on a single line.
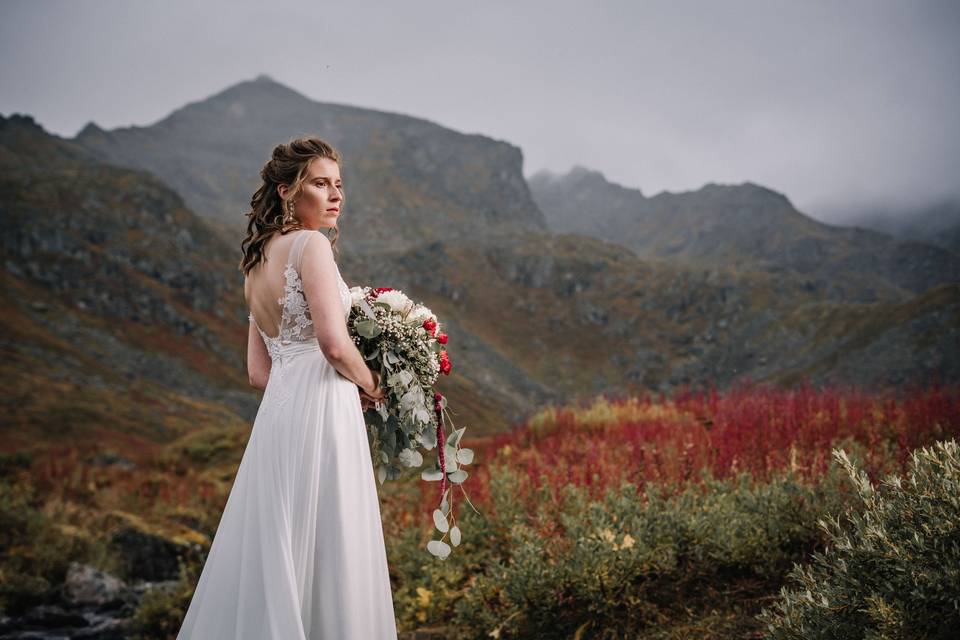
[[258, 360], [318, 274]]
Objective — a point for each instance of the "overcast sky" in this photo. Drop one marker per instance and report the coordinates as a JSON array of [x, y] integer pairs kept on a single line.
[[838, 104]]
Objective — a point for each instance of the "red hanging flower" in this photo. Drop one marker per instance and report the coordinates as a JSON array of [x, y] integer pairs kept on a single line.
[[445, 364], [430, 326], [440, 443], [442, 338]]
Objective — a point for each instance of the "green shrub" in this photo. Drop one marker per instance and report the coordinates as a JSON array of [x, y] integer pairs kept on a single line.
[[634, 560], [34, 551], [892, 567], [161, 610]]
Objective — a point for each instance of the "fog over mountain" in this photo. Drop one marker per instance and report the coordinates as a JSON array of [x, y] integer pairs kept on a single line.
[[845, 106]]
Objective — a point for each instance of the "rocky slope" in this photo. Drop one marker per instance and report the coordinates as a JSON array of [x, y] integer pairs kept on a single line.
[[406, 180], [119, 300], [118, 293], [122, 313], [746, 226]]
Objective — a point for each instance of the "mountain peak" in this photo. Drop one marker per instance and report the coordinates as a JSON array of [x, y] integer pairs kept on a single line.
[[91, 129], [745, 191], [21, 121], [262, 86]]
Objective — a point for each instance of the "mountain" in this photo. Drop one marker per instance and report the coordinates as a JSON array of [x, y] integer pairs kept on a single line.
[[745, 226], [125, 313], [582, 317], [122, 314], [118, 294], [406, 180]]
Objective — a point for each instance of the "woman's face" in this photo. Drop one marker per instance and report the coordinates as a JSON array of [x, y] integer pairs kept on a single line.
[[319, 202]]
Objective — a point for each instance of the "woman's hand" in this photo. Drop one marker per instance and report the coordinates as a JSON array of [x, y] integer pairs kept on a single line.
[[367, 402], [374, 396]]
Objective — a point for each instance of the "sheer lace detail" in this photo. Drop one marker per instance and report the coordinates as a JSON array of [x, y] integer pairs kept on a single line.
[[297, 333], [296, 324]]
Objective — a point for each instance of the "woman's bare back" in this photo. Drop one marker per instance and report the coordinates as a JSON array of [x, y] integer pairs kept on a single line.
[[266, 284]]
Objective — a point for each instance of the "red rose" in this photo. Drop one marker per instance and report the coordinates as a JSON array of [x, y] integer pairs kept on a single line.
[[379, 290], [445, 364], [430, 326], [442, 338]]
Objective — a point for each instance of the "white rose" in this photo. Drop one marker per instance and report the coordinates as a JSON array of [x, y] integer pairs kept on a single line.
[[356, 295], [396, 300], [421, 313]]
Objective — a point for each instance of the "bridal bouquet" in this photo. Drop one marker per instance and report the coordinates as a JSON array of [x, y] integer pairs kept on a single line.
[[402, 339]]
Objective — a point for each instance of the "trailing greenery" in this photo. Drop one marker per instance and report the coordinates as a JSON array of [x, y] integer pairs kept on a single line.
[[892, 568]]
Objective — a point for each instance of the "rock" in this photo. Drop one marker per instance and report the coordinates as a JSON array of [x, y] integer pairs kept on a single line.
[[150, 553], [86, 585]]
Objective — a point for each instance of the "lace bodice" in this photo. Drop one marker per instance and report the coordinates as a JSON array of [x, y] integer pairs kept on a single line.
[[296, 325]]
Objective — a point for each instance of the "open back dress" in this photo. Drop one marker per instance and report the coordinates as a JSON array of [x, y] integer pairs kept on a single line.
[[299, 552]]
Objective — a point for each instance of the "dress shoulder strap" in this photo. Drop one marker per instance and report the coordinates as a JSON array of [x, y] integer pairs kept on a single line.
[[296, 250]]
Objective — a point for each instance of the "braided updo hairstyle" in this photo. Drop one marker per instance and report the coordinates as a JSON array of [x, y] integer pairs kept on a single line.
[[288, 165]]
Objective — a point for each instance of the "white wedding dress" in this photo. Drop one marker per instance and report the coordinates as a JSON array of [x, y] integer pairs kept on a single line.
[[299, 552]]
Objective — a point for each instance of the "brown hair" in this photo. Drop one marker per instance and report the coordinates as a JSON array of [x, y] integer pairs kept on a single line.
[[288, 165]]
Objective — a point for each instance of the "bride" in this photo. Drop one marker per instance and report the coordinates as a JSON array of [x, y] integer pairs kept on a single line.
[[299, 552]]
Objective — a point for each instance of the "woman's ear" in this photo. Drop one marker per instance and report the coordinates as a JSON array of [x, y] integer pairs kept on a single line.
[[282, 191]]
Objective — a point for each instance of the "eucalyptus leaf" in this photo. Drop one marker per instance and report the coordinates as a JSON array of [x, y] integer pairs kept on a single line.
[[410, 458], [431, 475], [367, 328], [449, 463], [402, 378], [381, 473], [454, 438], [450, 453], [455, 535], [363, 304], [440, 520], [428, 439], [457, 476], [465, 456], [438, 548]]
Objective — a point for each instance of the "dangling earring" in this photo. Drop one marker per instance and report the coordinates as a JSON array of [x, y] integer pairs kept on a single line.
[[289, 217]]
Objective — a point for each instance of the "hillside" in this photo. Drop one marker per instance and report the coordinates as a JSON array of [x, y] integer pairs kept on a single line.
[[121, 300], [121, 315], [406, 180], [747, 226], [125, 312]]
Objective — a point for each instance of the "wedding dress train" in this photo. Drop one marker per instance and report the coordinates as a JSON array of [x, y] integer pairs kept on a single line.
[[299, 552]]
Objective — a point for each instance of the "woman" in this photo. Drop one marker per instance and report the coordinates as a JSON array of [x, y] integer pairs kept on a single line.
[[299, 551]]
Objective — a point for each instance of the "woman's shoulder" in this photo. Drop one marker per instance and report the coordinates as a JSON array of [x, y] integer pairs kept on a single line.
[[312, 239]]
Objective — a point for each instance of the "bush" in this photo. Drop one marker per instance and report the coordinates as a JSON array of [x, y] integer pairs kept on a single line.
[[34, 551], [160, 612], [638, 560], [892, 568]]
